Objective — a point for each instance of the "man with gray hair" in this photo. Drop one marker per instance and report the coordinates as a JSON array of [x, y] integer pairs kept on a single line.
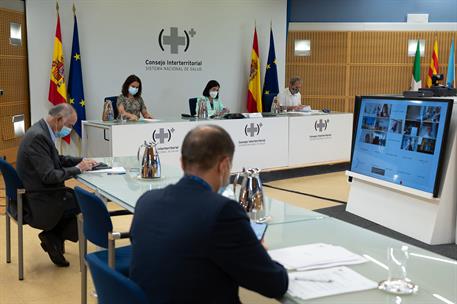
[[192, 245], [49, 205], [290, 97]]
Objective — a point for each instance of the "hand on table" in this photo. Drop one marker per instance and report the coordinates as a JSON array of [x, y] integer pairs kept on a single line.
[[86, 165]]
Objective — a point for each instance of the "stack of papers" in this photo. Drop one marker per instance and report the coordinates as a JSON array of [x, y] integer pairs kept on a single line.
[[314, 256], [326, 282], [114, 170]]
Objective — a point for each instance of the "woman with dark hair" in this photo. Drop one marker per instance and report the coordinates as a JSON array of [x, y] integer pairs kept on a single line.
[[129, 103], [211, 97]]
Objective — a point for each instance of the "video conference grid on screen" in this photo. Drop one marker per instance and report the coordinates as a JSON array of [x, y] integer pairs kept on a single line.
[[400, 141]]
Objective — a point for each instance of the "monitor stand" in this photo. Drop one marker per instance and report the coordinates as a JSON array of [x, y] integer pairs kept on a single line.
[[430, 220]]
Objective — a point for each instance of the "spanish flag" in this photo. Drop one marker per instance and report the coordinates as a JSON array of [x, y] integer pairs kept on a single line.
[[57, 88], [433, 69], [254, 90]]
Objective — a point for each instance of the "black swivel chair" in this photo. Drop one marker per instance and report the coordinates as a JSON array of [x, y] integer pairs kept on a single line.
[[193, 106]]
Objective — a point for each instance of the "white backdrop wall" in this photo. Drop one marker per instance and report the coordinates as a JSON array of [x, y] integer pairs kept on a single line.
[[117, 36]]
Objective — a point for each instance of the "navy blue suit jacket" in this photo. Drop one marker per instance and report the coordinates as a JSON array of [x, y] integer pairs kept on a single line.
[[192, 245]]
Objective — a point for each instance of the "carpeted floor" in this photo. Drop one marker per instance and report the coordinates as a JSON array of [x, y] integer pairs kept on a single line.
[[339, 212]]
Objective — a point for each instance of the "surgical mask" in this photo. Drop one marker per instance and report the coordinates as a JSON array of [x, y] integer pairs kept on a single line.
[[63, 132], [213, 94], [224, 185], [133, 91], [294, 90]]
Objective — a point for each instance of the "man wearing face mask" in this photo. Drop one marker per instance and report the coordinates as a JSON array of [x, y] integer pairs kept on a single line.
[[290, 97], [49, 206], [193, 245]]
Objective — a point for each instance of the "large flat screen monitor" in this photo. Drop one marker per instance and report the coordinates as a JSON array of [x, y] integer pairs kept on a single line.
[[401, 140]]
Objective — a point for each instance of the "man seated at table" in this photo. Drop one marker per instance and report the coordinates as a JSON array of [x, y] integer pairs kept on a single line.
[[290, 97], [193, 245], [43, 171]]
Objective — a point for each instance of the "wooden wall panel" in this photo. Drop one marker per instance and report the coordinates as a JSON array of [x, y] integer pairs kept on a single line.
[[6, 17], [330, 47], [345, 64], [13, 81], [319, 79], [13, 75]]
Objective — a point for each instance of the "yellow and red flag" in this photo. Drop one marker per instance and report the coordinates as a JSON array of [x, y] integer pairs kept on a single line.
[[57, 88], [433, 69], [254, 90]]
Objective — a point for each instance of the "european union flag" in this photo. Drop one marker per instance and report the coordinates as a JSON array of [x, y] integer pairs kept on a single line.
[[270, 85], [75, 81]]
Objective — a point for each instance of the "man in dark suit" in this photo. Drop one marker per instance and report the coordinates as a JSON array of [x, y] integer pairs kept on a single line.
[[193, 245], [50, 206]]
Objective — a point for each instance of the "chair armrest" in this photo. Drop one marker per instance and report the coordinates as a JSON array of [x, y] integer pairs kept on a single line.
[[112, 236], [120, 212]]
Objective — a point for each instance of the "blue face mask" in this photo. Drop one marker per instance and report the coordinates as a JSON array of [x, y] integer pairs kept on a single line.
[[133, 91], [63, 132]]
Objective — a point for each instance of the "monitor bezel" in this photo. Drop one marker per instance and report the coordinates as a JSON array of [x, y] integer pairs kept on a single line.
[[450, 102]]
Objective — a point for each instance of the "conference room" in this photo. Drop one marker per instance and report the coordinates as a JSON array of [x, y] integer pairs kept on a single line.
[[255, 151]]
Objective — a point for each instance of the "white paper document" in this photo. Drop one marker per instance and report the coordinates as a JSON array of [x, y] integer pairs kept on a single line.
[[114, 170], [326, 282], [314, 256]]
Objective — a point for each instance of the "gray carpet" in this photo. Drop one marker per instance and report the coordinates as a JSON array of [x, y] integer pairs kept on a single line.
[[339, 212]]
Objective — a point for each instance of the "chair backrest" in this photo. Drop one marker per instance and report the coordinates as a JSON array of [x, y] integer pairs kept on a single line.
[[193, 106], [112, 287], [12, 180], [96, 219], [113, 100]]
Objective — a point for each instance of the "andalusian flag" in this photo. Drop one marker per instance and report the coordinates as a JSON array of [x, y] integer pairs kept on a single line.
[[416, 82], [57, 88], [433, 69], [254, 90]]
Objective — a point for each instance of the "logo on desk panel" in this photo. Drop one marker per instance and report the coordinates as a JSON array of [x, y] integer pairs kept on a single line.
[[175, 39], [321, 125], [253, 135], [162, 135], [252, 129]]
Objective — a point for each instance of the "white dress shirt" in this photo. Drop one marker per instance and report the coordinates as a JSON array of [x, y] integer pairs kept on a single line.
[[287, 99]]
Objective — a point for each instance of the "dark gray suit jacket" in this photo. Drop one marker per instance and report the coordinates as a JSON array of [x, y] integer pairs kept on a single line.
[[40, 167]]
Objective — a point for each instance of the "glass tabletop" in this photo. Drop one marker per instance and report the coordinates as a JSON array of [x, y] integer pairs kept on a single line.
[[436, 275], [125, 189]]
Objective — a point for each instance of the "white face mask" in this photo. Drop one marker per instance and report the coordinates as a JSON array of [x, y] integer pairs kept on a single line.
[[213, 94], [133, 90]]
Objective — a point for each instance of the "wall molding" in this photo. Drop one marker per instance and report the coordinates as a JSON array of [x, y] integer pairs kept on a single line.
[[372, 26]]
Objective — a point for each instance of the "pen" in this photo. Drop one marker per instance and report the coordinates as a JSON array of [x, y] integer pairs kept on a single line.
[[313, 280], [116, 173]]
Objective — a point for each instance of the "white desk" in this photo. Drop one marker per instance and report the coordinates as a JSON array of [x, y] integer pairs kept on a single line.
[[269, 142]]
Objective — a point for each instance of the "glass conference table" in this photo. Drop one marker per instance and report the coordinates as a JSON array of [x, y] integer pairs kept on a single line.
[[290, 226], [126, 189]]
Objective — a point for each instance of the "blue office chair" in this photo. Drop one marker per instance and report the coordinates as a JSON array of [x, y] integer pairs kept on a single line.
[[112, 287], [113, 100], [15, 194], [14, 210], [193, 106], [94, 224]]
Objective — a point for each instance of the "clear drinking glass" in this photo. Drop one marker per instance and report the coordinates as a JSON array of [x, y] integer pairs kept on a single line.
[[397, 281]]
